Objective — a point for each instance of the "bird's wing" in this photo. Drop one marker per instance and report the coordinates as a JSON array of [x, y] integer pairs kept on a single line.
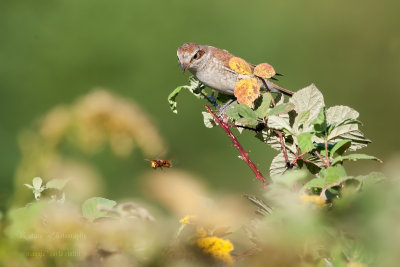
[[222, 56]]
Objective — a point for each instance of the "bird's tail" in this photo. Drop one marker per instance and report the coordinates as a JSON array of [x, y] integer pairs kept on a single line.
[[278, 89]]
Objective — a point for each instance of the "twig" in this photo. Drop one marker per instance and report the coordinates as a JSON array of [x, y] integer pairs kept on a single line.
[[243, 127], [326, 154], [210, 99], [258, 128], [299, 156], [244, 154], [322, 159], [279, 133]]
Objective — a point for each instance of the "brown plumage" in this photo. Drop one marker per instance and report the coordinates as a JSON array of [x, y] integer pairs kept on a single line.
[[210, 65]]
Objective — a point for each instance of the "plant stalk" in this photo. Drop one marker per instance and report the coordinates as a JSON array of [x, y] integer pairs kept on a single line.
[[244, 154]]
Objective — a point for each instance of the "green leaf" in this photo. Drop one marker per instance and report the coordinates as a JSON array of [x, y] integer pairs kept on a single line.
[[337, 114], [56, 184], [269, 137], [321, 118], [92, 208], [331, 176], [305, 142], [308, 99], [319, 123], [262, 110], [232, 111], [354, 157], [242, 114], [282, 108], [246, 112], [195, 88], [208, 119], [247, 115], [340, 147], [280, 122], [344, 125], [247, 122], [278, 164], [172, 98], [301, 118], [334, 173], [316, 182], [314, 165]]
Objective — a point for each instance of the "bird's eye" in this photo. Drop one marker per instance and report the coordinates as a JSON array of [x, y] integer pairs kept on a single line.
[[198, 54]]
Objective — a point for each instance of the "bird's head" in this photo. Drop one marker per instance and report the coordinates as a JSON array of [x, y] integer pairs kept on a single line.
[[189, 56]]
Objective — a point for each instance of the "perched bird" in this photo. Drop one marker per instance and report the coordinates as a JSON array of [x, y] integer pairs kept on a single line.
[[210, 65]]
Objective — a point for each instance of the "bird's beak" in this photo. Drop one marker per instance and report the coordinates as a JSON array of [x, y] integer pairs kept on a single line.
[[183, 66]]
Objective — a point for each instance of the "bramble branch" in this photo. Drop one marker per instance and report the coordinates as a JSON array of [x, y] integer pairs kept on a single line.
[[322, 159], [244, 154], [298, 156], [279, 133]]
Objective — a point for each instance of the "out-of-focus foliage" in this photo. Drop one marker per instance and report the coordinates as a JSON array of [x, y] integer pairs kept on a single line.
[[67, 134], [206, 229]]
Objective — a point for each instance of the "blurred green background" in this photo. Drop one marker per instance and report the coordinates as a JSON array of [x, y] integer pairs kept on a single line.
[[54, 51]]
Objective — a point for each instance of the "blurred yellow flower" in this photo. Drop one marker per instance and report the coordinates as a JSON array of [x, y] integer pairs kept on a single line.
[[216, 247], [187, 219], [317, 200], [102, 117]]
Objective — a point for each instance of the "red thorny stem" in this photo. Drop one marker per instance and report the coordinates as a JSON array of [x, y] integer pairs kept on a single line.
[[244, 154], [279, 133]]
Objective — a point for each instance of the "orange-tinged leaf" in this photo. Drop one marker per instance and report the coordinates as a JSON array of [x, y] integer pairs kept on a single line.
[[239, 65], [246, 91], [264, 70]]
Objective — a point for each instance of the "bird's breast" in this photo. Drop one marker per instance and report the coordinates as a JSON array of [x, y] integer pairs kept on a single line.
[[218, 79]]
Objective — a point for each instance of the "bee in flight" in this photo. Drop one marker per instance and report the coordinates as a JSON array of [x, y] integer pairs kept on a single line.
[[159, 163]]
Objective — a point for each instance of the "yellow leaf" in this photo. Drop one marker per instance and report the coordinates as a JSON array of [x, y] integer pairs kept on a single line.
[[246, 91], [264, 70], [239, 65]]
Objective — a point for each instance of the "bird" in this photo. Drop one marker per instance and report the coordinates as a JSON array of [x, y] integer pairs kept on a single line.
[[210, 65]]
